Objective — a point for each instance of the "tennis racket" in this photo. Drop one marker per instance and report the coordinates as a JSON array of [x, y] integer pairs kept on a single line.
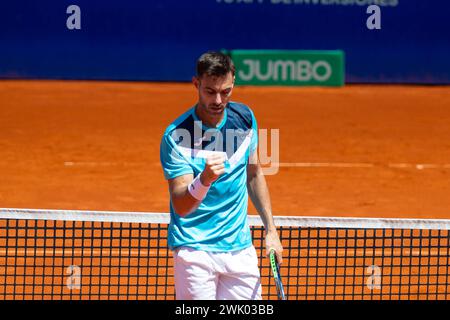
[[276, 275]]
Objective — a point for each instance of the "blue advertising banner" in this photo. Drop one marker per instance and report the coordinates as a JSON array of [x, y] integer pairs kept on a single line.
[[159, 40]]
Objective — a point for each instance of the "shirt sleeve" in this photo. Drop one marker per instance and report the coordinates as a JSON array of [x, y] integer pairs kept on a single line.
[[254, 140], [173, 163]]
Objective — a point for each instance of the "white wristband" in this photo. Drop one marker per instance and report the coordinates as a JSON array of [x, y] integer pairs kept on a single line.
[[197, 189]]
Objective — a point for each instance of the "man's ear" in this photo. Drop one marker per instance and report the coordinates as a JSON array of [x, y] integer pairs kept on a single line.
[[195, 81]]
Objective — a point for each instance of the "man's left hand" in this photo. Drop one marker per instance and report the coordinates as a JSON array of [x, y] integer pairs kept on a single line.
[[273, 242]]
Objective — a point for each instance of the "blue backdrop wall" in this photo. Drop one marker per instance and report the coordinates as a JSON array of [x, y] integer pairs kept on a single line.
[[159, 40]]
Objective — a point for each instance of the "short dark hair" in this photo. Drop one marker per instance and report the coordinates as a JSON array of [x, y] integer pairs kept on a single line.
[[214, 63]]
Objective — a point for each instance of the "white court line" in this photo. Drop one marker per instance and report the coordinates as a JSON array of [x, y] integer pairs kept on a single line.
[[323, 165], [418, 166], [401, 165], [100, 164]]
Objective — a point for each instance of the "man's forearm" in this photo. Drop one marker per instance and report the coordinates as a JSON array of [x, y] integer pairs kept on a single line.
[[183, 202], [188, 192], [259, 193]]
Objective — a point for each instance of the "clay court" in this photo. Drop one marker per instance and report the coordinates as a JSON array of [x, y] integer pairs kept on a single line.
[[356, 151], [359, 151]]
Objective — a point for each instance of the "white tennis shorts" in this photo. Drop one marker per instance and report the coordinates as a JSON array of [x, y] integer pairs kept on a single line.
[[203, 275]]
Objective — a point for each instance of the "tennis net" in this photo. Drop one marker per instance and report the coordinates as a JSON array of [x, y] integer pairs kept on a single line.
[[66, 254]]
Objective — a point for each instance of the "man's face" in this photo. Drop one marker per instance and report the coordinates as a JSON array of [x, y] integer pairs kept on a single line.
[[214, 94]]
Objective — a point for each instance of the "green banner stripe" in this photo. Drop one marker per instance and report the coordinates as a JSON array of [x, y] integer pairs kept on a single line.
[[289, 67]]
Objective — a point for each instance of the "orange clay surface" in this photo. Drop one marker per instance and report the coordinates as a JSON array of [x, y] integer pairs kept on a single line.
[[366, 151]]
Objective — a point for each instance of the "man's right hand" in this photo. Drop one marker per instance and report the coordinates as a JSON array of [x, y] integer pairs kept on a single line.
[[214, 168]]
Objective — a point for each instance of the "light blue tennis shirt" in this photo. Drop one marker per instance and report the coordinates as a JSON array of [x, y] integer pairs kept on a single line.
[[220, 222]]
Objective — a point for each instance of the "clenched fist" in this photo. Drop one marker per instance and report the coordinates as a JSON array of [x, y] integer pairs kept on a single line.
[[213, 169]]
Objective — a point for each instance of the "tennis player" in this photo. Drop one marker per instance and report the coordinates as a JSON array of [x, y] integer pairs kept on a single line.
[[209, 157]]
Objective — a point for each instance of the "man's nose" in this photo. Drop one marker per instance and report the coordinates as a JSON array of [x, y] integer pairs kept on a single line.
[[218, 99]]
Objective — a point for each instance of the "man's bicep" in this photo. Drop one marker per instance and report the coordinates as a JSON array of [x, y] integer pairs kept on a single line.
[[253, 164]]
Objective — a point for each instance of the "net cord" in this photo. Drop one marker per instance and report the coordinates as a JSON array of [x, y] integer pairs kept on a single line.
[[254, 220]]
